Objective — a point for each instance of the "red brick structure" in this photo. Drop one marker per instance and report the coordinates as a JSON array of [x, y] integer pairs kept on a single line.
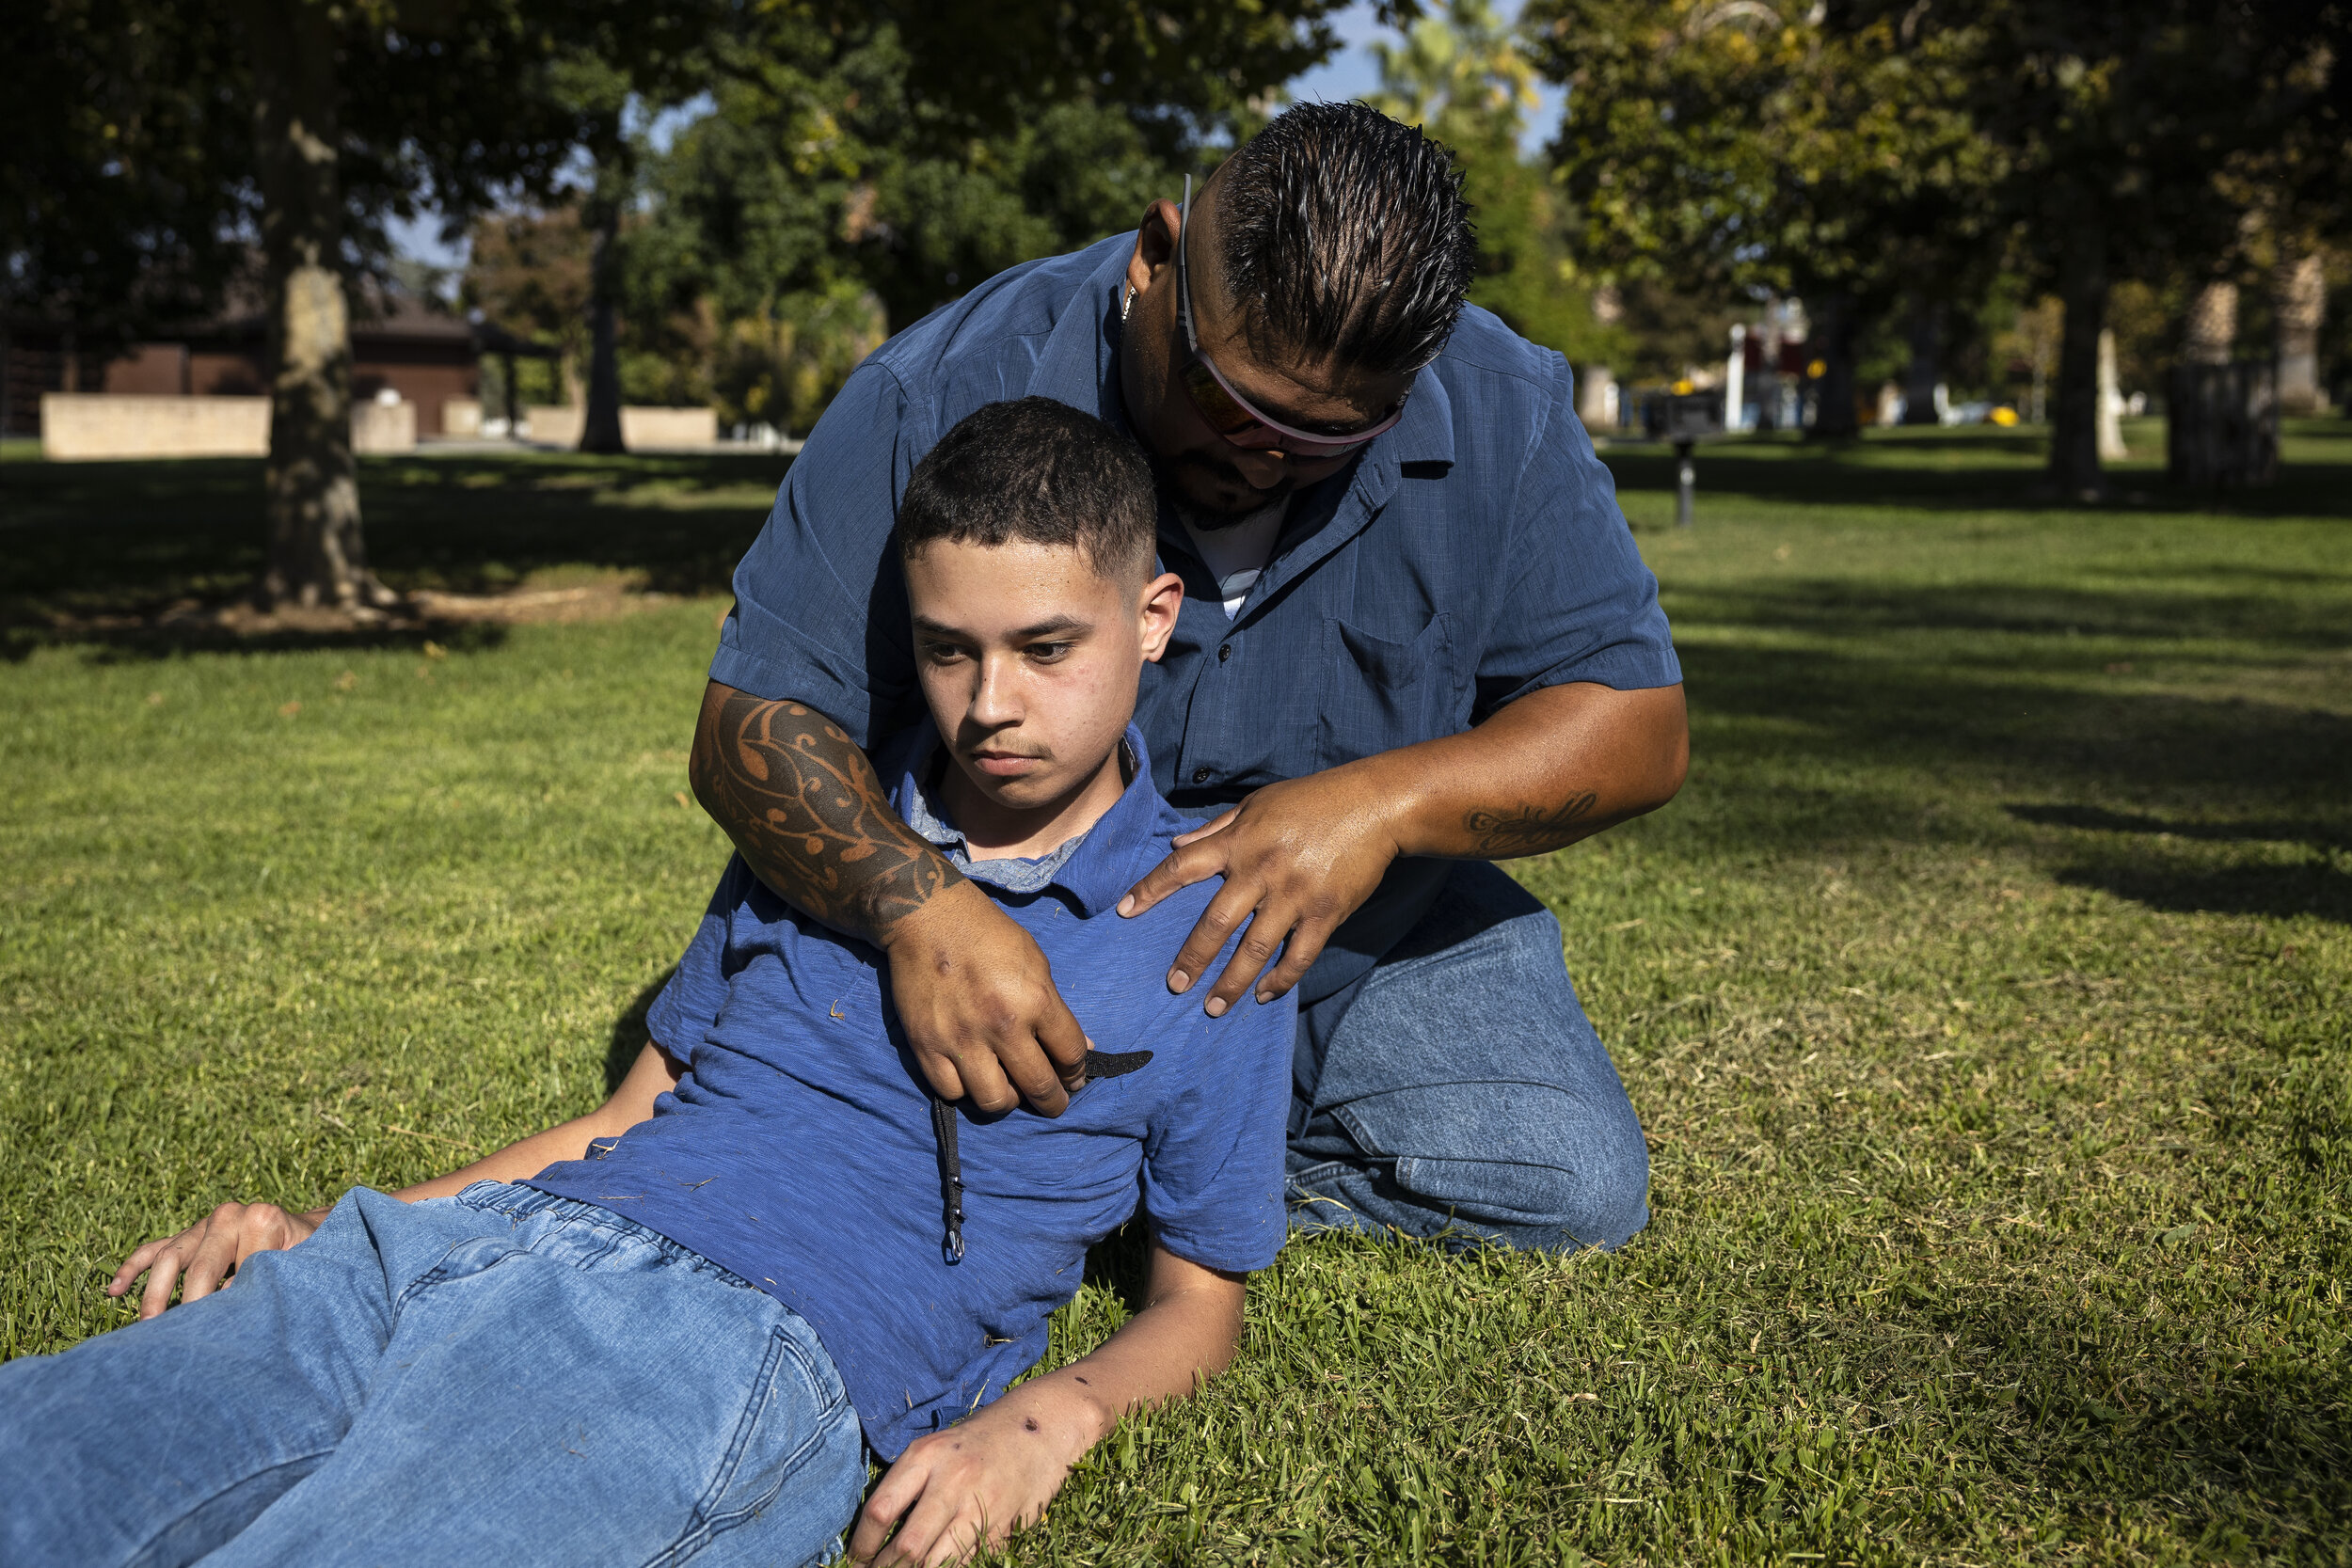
[[421, 352]]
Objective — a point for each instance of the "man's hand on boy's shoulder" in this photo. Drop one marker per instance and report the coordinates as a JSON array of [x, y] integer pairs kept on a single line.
[[200, 1258], [979, 1480], [1296, 858]]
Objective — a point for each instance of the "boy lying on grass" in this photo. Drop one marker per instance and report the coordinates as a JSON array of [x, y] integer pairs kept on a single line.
[[666, 1349]]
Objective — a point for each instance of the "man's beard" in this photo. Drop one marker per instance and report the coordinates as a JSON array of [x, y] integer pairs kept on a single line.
[[1212, 519]]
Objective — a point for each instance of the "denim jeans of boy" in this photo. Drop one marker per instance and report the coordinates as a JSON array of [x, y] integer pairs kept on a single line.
[[1456, 1092], [500, 1378]]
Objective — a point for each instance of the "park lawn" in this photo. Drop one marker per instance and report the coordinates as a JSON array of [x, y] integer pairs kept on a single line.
[[1985, 995]]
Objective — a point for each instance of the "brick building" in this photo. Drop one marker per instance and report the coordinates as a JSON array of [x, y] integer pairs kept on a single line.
[[421, 352]]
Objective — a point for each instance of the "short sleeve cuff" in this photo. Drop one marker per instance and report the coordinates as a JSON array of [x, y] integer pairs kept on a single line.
[[799, 682], [1226, 1252], [1625, 667]]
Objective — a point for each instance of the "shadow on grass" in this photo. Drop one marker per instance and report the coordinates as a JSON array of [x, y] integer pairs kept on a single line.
[[2140, 871], [87, 542], [145, 643], [1977, 470], [2281, 892], [1998, 723], [1831, 606], [1120, 1262], [2098, 819], [2263, 1453]]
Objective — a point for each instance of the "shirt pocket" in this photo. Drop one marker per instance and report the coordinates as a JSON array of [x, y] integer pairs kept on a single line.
[[1385, 692]]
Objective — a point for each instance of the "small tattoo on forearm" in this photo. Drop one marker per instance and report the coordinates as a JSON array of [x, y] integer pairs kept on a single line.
[[805, 807], [1527, 830]]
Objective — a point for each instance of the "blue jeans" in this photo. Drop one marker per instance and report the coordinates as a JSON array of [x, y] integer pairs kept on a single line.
[[500, 1378], [1455, 1091]]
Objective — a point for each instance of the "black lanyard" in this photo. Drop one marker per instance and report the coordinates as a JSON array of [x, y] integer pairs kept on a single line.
[[1099, 1064]]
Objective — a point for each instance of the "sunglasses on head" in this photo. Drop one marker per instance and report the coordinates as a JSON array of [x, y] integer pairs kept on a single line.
[[1226, 411]]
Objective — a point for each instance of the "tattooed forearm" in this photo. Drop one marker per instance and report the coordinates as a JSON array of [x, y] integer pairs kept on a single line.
[[1528, 829], [803, 804]]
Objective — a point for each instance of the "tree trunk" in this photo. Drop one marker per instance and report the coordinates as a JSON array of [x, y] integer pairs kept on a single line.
[[2111, 448], [2210, 335], [2301, 288], [1835, 328], [600, 429], [2074, 470], [317, 554], [1926, 332]]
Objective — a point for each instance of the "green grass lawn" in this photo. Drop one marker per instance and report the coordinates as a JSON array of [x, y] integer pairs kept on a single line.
[[1985, 994]]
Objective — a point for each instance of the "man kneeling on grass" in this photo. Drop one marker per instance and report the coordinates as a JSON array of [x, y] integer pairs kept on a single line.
[[667, 1349]]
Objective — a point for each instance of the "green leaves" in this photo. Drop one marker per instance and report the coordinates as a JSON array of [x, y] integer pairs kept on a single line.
[[1724, 147]]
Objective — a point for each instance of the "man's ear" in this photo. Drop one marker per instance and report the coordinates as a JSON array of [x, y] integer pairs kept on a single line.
[[1156, 244], [1155, 613]]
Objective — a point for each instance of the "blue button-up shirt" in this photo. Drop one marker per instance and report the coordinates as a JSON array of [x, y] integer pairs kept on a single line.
[[1470, 555], [797, 1149]]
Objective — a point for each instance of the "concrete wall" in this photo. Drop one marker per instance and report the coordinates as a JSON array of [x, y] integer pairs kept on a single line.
[[555, 425], [652, 429], [641, 429], [80, 427], [86, 427], [382, 427], [461, 417]]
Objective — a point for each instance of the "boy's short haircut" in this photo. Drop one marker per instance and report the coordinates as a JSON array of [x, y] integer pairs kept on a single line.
[[1037, 470]]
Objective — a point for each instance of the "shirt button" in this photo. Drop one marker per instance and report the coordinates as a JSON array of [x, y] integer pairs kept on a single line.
[[1224, 652], [1199, 775]]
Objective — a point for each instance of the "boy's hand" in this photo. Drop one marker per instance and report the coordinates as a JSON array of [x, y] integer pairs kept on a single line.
[[977, 1480], [201, 1257]]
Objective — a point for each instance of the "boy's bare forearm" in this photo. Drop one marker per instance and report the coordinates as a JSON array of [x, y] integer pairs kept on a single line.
[[805, 807], [517, 1161], [1189, 1332]]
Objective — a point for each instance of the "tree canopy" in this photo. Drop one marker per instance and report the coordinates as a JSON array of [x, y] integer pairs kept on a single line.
[[164, 153], [1731, 147], [1860, 151]]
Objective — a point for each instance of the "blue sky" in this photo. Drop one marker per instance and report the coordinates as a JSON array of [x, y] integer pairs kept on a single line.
[[1355, 69], [1352, 71]]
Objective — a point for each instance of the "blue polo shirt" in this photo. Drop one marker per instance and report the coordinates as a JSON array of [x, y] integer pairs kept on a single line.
[[797, 1151], [1470, 555]]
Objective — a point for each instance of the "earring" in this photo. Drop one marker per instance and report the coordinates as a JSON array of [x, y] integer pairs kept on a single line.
[[1126, 304]]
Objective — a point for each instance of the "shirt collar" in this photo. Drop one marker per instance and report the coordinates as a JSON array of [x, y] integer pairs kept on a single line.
[[1095, 869], [1425, 433], [1078, 363]]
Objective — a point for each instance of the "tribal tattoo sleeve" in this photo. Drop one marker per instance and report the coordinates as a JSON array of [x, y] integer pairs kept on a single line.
[[803, 805]]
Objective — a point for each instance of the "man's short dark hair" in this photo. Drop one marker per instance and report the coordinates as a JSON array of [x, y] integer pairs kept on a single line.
[[1345, 233], [1037, 470]]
